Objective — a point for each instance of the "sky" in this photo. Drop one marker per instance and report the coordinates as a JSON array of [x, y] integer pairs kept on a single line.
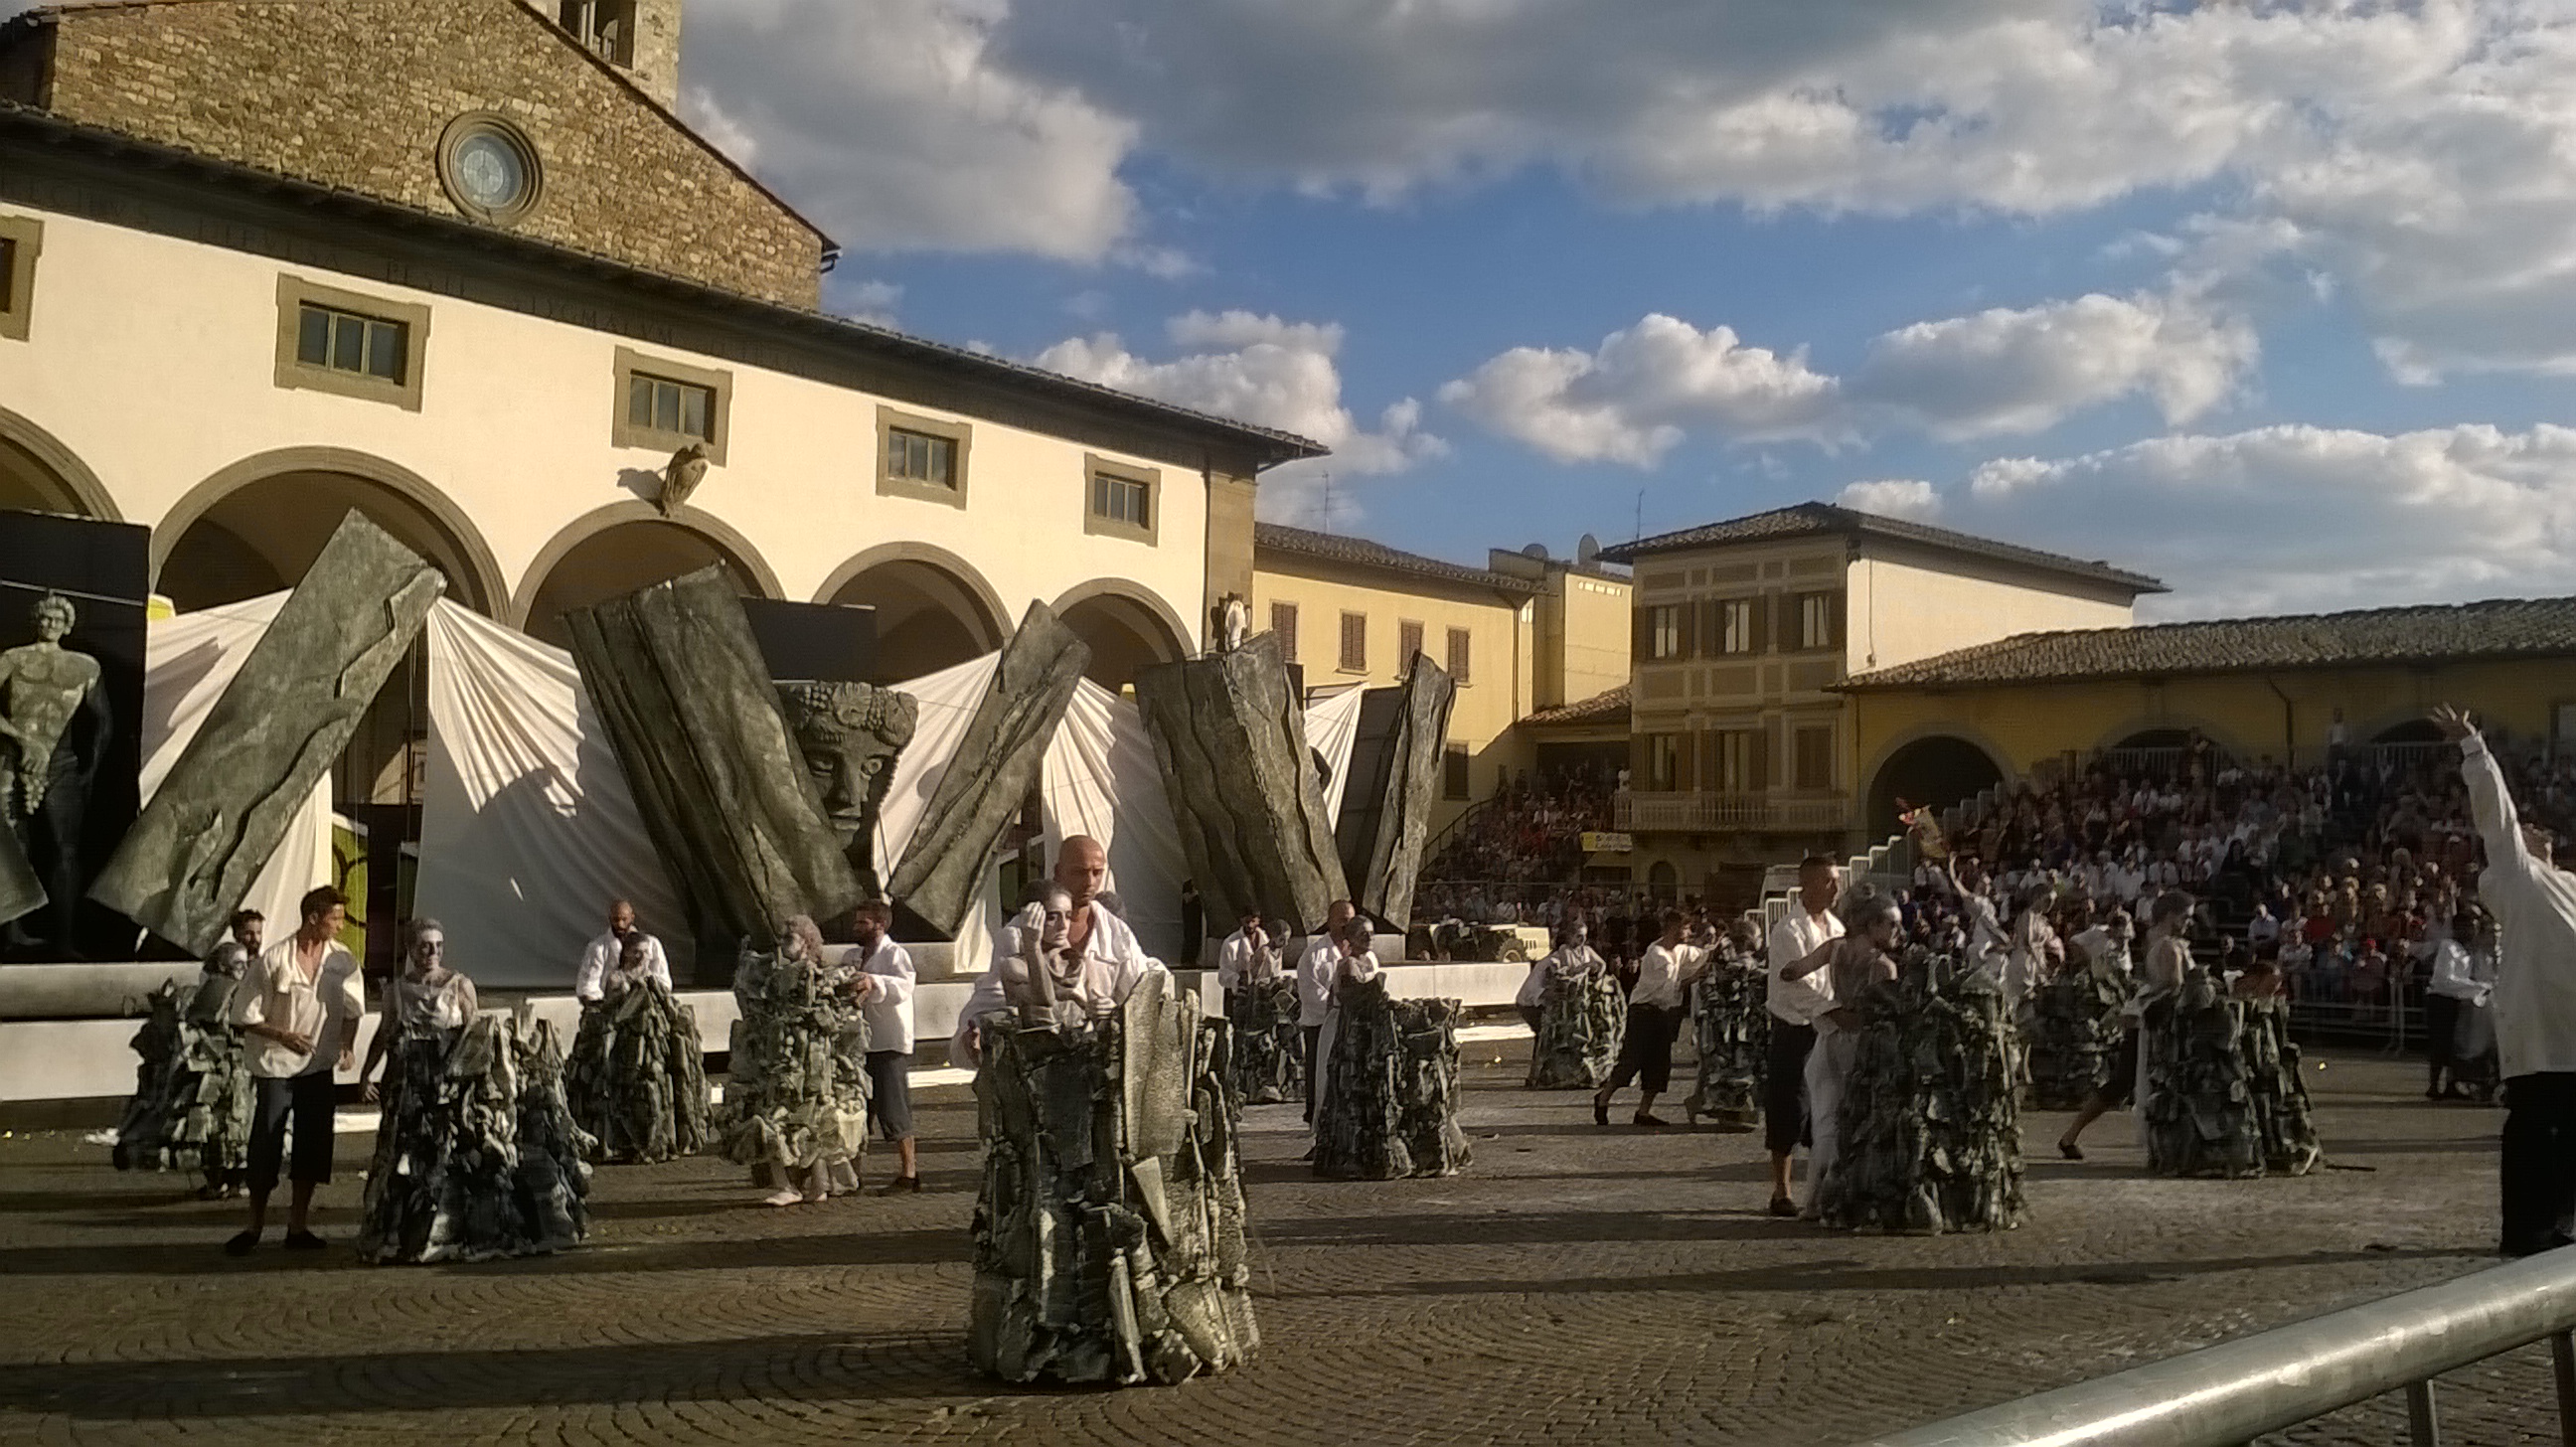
[[2276, 302]]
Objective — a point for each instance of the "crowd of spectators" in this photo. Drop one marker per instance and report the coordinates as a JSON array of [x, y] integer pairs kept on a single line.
[[1530, 833]]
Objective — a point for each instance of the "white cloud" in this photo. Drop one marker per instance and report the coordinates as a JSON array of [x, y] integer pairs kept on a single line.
[[1632, 399], [873, 302], [893, 126], [2297, 518], [1268, 371], [2005, 371], [1893, 497]]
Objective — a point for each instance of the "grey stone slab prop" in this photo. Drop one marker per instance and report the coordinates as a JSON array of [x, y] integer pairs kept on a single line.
[[1394, 776], [695, 721], [1230, 735], [21, 893], [988, 782], [280, 725]]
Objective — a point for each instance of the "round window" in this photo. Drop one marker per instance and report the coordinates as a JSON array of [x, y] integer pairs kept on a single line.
[[489, 168]]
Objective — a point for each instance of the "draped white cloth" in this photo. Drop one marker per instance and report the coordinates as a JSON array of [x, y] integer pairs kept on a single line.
[[528, 828], [1332, 727], [948, 699], [187, 661], [1100, 779]]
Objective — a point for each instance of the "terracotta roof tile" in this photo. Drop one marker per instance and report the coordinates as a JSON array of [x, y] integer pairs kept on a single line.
[[1824, 519], [1610, 706], [1335, 548]]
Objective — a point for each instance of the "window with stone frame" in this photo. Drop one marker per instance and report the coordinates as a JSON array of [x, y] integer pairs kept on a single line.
[[1354, 643], [1820, 620], [1814, 749], [1458, 655], [665, 405], [1664, 631], [1738, 623], [1408, 644], [606, 28], [1120, 499], [1283, 625], [1739, 762], [349, 343], [21, 237]]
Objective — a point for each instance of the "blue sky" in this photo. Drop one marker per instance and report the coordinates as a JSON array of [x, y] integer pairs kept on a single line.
[[2276, 301]]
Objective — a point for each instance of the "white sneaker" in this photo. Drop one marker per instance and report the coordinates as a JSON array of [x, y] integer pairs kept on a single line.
[[783, 1198]]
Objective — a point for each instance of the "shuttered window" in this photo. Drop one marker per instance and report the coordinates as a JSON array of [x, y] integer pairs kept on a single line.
[[1283, 623], [1458, 655], [1355, 643], [1408, 644]]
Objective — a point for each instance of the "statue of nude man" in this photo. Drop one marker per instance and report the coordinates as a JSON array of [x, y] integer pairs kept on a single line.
[[42, 685]]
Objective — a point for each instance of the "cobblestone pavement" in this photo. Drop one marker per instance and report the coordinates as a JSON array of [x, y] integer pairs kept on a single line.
[[1616, 1286]]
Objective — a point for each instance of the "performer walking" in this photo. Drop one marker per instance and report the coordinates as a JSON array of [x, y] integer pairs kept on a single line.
[[2534, 904], [1668, 966], [298, 1014], [1795, 1004], [885, 985], [2160, 972]]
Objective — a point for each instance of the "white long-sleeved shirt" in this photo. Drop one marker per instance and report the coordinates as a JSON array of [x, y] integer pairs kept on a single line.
[[1315, 981], [1662, 971], [2455, 974], [1237, 962], [1793, 939], [1112, 963], [600, 956], [2535, 909], [1533, 991], [888, 1010]]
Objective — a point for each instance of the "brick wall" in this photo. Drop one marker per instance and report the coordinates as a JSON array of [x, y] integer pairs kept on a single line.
[[355, 94]]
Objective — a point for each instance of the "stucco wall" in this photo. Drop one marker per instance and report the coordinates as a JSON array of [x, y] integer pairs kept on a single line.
[[152, 361], [1902, 609]]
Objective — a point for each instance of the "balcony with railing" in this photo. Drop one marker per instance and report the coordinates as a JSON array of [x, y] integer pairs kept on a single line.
[[1699, 813]]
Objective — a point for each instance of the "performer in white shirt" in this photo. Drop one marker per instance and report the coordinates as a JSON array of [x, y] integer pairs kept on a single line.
[[1795, 1006], [1110, 962], [1354, 962], [298, 1012], [1315, 970], [1248, 956], [884, 985], [1667, 968], [600, 955], [1855, 963], [2534, 904], [2453, 991]]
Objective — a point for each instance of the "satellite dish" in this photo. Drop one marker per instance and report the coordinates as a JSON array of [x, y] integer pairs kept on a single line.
[[1535, 550], [1588, 550]]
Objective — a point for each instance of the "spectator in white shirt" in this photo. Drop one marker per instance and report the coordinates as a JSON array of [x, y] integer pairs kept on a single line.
[[601, 954], [1654, 1015], [2534, 904], [884, 985], [1315, 971], [298, 1012], [1247, 956], [1795, 1005]]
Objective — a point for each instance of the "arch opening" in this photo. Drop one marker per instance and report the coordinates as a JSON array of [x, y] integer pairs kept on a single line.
[[1938, 771], [1126, 636], [619, 559], [37, 478], [928, 618]]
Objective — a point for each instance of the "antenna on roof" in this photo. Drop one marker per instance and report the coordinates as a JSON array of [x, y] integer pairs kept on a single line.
[[1325, 523], [1641, 516]]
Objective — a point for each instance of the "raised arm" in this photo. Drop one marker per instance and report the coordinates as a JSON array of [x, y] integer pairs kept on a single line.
[[2499, 827]]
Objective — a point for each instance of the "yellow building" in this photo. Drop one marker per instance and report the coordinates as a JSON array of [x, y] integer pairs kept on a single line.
[[1741, 743], [2283, 689], [1353, 614]]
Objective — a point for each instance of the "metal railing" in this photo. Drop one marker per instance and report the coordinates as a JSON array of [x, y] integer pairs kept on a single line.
[[2236, 1391], [1710, 813]]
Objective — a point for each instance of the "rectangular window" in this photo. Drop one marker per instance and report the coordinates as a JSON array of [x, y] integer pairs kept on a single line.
[[1736, 621], [342, 342], [21, 237], [917, 457], [8, 274], [1355, 643], [1454, 778], [1408, 644], [921, 457], [1739, 762], [1121, 499], [663, 406], [1458, 655], [1664, 632], [1815, 758], [1283, 622], [1820, 620], [1664, 761]]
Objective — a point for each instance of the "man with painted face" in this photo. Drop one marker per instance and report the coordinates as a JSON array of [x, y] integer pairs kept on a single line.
[[1101, 958]]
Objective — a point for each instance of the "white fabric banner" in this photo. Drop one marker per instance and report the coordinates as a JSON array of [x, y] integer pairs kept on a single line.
[[187, 661], [527, 827], [1332, 728], [1100, 779], [948, 699]]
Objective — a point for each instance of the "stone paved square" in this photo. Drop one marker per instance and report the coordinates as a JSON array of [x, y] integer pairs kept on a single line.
[[1576, 1285]]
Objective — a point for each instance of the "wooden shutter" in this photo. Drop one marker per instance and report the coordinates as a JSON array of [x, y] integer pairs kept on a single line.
[[1355, 642], [1760, 782], [1283, 622], [1834, 607], [1408, 644], [1763, 641], [1684, 634], [1460, 647], [1641, 634]]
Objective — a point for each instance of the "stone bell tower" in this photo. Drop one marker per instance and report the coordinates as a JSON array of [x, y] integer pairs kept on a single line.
[[640, 37]]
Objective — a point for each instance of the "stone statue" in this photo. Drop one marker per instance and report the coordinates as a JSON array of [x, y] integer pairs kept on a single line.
[[46, 784], [1233, 622], [850, 734], [680, 477]]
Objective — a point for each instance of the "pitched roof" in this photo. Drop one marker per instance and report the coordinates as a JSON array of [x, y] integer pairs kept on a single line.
[[1824, 519], [2501, 628], [1334, 548], [1608, 706], [1270, 444]]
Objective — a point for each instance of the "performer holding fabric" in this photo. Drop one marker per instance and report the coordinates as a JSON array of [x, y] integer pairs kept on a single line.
[[298, 1014], [796, 1103], [2452, 1004], [2534, 904], [1668, 967]]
